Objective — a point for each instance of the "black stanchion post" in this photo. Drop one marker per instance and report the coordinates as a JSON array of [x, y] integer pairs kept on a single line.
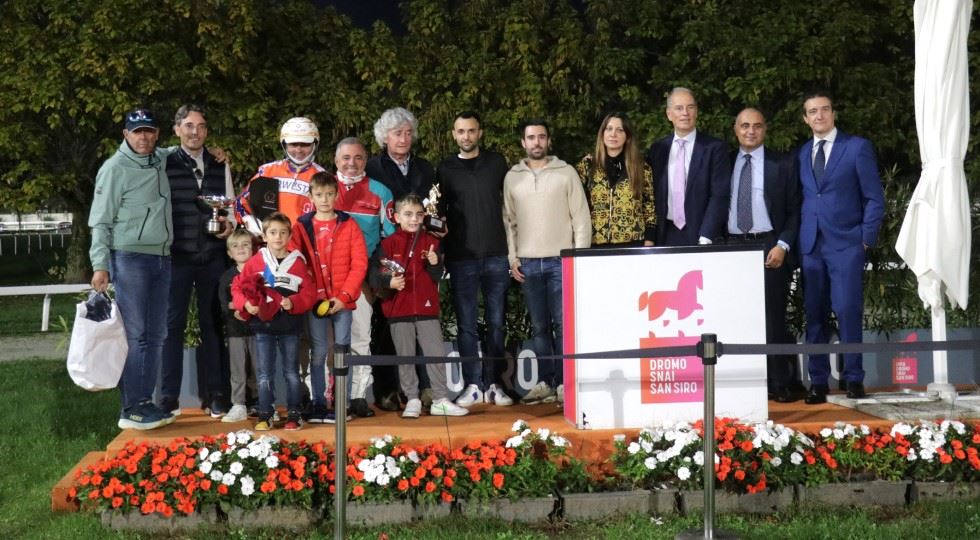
[[340, 371], [708, 351]]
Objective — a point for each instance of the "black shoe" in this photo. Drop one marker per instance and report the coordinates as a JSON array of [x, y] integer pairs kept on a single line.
[[170, 405], [816, 394], [318, 415], [218, 407], [855, 390], [359, 407], [783, 395], [389, 403]]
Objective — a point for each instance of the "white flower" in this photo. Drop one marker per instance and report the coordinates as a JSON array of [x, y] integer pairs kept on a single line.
[[383, 479], [244, 436], [544, 433], [865, 430], [231, 438], [776, 461], [632, 448], [650, 463], [514, 441], [560, 441], [683, 473], [838, 434], [205, 467], [272, 462], [903, 429], [203, 453], [248, 485], [215, 456], [228, 479], [646, 446], [826, 432], [619, 437], [391, 466], [243, 453], [796, 458], [379, 443], [699, 457], [236, 467], [526, 432], [217, 475], [518, 426], [413, 456]]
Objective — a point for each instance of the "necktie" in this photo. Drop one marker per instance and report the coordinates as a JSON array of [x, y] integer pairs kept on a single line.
[[744, 210], [819, 162], [680, 182]]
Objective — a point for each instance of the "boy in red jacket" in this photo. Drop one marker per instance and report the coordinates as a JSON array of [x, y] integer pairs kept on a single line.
[[333, 244], [413, 310], [275, 289]]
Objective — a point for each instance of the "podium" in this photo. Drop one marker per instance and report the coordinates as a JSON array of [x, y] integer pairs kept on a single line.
[[632, 298]]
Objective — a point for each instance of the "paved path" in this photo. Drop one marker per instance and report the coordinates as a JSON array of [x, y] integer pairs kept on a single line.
[[41, 345]]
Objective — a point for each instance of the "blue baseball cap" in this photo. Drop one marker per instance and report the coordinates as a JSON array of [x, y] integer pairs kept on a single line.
[[140, 118]]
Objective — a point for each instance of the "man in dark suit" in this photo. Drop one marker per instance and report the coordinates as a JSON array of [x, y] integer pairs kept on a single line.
[[691, 178], [765, 210], [843, 205]]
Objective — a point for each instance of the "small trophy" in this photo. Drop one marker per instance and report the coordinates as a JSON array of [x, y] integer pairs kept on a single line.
[[432, 221], [216, 203], [392, 267]]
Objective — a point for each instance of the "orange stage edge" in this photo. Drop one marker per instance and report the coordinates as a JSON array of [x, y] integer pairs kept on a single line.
[[485, 422]]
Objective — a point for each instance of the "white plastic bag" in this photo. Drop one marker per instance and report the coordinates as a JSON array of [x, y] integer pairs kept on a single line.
[[97, 353]]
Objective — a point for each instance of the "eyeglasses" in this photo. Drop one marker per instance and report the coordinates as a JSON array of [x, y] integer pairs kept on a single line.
[[140, 115], [198, 173]]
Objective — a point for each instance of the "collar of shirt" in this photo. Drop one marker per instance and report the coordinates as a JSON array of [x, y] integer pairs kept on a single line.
[[688, 139], [830, 138], [402, 165]]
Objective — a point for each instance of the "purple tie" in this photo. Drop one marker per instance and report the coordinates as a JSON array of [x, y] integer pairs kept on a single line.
[[677, 188]]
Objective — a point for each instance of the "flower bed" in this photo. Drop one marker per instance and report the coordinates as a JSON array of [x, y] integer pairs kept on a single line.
[[239, 471]]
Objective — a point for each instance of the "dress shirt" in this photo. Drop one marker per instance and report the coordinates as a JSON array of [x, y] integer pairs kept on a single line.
[[828, 145], [760, 217]]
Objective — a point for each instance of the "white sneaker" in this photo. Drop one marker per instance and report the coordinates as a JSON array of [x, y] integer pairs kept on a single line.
[[444, 407], [413, 409], [238, 413], [470, 395], [541, 393], [560, 391], [496, 396]]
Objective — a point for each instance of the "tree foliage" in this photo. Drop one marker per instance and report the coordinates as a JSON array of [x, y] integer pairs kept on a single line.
[[70, 69]]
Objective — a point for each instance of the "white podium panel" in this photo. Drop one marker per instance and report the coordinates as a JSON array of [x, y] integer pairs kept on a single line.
[[654, 297]]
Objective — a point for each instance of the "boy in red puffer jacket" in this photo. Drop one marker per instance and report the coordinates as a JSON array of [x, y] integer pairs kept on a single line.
[[413, 310], [334, 246]]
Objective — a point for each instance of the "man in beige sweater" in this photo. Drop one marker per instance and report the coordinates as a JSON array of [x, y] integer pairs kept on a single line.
[[545, 211]]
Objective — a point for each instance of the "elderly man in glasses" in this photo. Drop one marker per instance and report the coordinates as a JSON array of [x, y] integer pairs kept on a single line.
[[197, 261], [132, 230]]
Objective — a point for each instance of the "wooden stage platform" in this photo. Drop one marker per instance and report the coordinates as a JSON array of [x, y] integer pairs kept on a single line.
[[485, 422]]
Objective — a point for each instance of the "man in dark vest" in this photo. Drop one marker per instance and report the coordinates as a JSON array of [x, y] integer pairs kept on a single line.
[[198, 260]]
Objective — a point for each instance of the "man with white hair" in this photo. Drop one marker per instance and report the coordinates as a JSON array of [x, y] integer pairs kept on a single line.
[[401, 172]]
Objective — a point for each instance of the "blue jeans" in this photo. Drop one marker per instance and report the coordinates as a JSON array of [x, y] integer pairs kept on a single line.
[[279, 349], [212, 357], [468, 278], [142, 284], [320, 338], [542, 293]]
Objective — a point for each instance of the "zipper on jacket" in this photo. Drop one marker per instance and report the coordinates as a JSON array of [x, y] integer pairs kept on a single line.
[[143, 226]]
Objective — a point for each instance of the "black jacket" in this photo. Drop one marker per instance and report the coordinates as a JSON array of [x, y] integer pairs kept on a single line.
[[473, 205], [192, 242], [419, 179]]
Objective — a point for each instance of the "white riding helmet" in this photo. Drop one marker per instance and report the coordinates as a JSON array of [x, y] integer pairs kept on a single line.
[[299, 130]]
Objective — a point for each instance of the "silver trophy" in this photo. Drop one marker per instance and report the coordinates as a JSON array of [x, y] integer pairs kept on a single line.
[[433, 221], [392, 267], [216, 203]]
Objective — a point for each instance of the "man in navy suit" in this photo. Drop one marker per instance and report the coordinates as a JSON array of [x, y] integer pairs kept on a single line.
[[765, 211], [691, 172], [843, 205]]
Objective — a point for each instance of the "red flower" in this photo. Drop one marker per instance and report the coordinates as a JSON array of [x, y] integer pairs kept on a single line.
[[498, 480], [746, 446], [446, 497], [358, 491], [402, 485], [222, 489]]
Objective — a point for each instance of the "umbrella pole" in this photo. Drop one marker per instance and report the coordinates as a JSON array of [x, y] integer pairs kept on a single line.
[[940, 371]]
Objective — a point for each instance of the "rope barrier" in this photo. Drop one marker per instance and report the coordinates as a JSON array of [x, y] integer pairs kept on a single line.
[[729, 349]]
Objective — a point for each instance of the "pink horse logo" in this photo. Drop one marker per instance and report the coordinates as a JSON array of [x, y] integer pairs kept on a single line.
[[684, 300]]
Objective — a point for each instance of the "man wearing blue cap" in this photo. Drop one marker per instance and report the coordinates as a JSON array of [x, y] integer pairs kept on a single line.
[[132, 229]]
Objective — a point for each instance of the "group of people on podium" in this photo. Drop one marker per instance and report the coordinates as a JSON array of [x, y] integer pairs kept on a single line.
[[818, 208]]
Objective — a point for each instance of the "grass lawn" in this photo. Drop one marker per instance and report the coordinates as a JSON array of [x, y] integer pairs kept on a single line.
[[48, 425], [21, 315]]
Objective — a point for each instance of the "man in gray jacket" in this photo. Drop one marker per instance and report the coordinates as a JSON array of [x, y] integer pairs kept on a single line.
[[545, 211], [132, 230]]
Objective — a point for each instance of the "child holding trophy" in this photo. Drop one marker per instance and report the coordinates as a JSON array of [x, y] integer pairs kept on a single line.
[[414, 269]]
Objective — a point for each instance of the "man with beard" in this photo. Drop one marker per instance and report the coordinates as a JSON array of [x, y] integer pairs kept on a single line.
[[545, 211], [476, 255]]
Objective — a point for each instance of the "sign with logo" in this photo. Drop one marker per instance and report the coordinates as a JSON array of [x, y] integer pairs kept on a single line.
[[643, 298], [905, 367]]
